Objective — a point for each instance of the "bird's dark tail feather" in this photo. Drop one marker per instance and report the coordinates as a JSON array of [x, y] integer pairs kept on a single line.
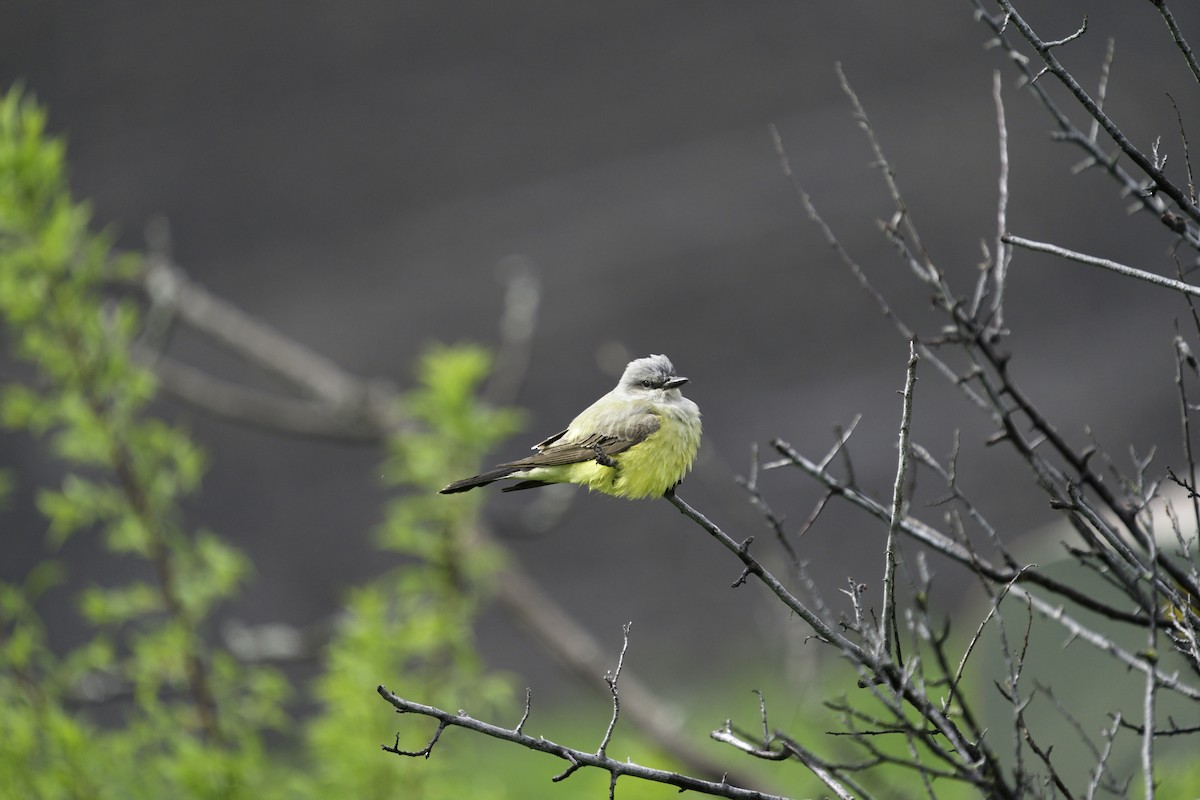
[[516, 487], [479, 480]]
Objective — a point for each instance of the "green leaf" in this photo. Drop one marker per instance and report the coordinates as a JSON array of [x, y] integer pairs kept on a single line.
[[210, 573], [110, 606], [80, 503], [23, 408]]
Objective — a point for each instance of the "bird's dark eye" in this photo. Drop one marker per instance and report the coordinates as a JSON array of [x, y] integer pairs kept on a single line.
[[648, 384]]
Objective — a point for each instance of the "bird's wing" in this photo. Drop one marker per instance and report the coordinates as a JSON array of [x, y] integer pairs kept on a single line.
[[554, 452], [549, 440]]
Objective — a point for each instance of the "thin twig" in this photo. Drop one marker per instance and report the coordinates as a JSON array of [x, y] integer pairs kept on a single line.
[[842, 438], [525, 715], [1174, 730], [1044, 756], [864, 282], [1151, 685], [1131, 272], [888, 622], [611, 679], [1003, 253], [1187, 151], [992, 610], [1183, 355], [1102, 85], [1101, 769], [922, 266], [753, 567], [757, 500]]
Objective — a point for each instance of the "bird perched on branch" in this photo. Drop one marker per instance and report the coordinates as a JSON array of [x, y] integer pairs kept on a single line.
[[639, 440]]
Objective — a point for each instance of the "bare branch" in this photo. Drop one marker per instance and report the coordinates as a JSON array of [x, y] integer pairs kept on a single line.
[[1044, 49], [1174, 730], [839, 446], [1151, 684], [1101, 768], [1177, 35], [1130, 272], [611, 679], [575, 759], [1183, 355], [758, 501], [1069, 132], [1104, 643], [943, 544], [962, 664], [888, 622], [283, 415], [525, 714], [790, 749], [753, 567], [1044, 757], [1102, 86], [919, 262], [248, 337], [861, 277], [998, 269], [1187, 151]]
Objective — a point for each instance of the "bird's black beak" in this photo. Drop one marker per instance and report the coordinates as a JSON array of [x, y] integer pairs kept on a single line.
[[675, 383]]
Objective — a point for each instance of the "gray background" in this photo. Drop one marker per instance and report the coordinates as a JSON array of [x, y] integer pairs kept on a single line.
[[353, 173]]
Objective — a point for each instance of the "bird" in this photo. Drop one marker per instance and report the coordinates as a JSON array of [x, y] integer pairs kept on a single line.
[[637, 441]]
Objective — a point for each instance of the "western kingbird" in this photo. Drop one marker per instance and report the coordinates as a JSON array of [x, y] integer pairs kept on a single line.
[[639, 440]]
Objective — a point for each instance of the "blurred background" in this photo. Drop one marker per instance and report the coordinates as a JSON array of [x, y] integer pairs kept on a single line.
[[358, 175]]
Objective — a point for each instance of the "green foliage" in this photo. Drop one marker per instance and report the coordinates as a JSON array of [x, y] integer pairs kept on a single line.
[[1178, 776], [196, 720], [43, 748], [192, 719], [414, 623]]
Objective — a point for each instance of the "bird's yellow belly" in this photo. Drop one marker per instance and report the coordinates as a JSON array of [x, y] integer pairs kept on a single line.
[[646, 470]]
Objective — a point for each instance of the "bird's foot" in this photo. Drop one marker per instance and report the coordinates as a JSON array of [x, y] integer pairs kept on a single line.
[[603, 459]]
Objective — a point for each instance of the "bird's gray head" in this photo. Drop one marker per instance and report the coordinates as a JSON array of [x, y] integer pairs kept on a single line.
[[652, 374]]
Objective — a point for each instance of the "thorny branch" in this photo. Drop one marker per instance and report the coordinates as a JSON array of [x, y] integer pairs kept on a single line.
[[1144, 192], [1111, 525], [976, 764], [1055, 67], [576, 759]]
